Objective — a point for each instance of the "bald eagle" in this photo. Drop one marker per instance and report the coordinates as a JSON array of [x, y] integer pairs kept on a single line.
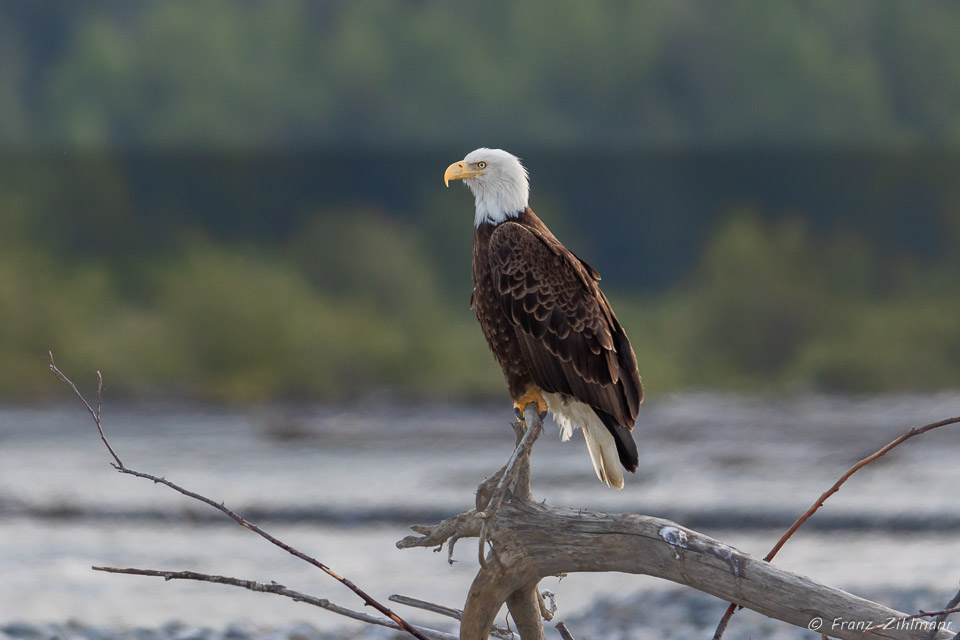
[[545, 318]]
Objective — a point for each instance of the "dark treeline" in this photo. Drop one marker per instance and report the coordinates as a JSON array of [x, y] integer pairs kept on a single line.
[[432, 74], [643, 217]]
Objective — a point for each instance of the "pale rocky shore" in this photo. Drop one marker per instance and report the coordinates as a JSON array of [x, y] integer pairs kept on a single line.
[[672, 614]]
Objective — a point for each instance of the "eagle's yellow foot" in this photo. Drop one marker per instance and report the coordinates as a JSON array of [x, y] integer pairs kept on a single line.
[[533, 394]]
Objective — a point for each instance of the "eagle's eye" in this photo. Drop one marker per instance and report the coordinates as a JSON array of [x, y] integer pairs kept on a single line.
[[481, 165]]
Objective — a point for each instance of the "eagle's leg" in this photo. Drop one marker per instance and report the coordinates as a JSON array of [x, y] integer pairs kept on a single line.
[[532, 394]]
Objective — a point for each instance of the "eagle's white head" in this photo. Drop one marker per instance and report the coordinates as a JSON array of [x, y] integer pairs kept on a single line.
[[498, 181]]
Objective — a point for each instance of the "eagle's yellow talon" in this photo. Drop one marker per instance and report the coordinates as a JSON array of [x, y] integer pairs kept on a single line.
[[533, 394]]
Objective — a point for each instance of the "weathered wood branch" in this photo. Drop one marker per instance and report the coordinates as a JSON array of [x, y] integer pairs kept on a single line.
[[532, 541], [514, 477]]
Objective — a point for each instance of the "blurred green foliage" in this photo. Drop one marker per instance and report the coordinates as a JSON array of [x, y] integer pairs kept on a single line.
[[770, 306], [239, 325], [241, 201], [109, 73], [353, 307]]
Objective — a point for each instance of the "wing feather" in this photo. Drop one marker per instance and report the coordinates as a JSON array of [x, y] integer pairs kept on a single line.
[[567, 330]]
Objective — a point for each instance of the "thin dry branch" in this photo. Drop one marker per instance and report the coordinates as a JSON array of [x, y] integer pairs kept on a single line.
[[280, 590], [914, 431], [119, 466], [927, 614], [564, 631], [94, 414], [934, 624], [724, 621], [450, 612], [489, 485], [548, 605], [462, 525], [519, 458], [951, 607], [432, 607]]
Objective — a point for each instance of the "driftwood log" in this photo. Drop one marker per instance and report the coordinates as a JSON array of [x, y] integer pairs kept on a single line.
[[529, 541]]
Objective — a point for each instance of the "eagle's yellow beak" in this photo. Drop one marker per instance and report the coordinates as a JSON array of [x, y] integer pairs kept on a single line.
[[458, 171]]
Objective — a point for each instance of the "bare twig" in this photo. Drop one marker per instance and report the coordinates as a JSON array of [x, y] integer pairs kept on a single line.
[[942, 615], [564, 631], [914, 431], [367, 599], [432, 607], [94, 414], [450, 544], [934, 624], [487, 488], [462, 525], [99, 397], [724, 621], [522, 452], [548, 604], [450, 612], [942, 612], [280, 590]]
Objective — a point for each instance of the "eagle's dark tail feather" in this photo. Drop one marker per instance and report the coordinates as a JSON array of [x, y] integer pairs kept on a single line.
[[626, 447]]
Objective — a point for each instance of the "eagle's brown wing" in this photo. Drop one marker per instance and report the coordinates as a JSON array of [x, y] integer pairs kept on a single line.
[[571, 338]]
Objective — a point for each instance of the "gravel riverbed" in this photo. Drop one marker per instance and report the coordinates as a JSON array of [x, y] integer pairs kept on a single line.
[[671, 614]]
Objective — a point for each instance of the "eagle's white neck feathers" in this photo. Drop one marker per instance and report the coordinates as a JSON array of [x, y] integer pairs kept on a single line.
[[503, 191]]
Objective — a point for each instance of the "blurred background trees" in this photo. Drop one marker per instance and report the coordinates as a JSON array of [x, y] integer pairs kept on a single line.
[[242, 201]]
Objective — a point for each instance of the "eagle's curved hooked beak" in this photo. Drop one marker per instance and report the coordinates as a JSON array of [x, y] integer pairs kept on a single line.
[[458, 171]]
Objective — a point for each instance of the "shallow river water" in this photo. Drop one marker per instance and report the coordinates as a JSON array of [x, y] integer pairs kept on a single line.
[[344, 483]]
